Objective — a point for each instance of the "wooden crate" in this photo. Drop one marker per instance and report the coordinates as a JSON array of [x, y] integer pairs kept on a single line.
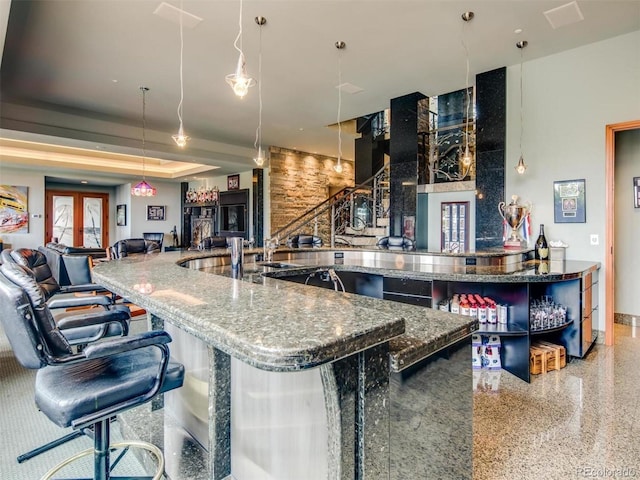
[[554, 356], [537, 361]]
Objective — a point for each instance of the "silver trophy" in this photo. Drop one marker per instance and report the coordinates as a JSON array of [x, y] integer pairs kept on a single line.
[[514, 216]]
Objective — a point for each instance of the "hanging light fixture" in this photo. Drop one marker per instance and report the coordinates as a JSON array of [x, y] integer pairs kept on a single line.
[[521, 167], [240, 81], [180, 138], [340, 45], [465, 155], [143, 189], [259, 159]]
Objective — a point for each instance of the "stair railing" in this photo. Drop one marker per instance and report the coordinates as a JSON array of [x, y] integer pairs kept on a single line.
[[341, 208]]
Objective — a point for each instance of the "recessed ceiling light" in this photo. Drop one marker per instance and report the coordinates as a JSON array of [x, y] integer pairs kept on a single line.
[[99, 147], [115, 80], [83, 181], [517, 31], [301, 129]]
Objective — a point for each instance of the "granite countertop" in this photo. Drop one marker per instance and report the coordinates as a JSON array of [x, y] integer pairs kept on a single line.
[[265, 326], [275, 325]]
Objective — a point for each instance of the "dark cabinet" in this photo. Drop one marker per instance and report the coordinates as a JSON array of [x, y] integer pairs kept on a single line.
[[228, 216], [234, 214]]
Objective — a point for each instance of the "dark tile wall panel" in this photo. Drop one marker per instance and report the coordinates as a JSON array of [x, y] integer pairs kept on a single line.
[[403, 152], [491, 106]]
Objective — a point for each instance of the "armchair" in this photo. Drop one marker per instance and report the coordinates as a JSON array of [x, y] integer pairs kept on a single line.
[[26, 264], [304, 241], [124, 248], [84, 390], [155, 237]]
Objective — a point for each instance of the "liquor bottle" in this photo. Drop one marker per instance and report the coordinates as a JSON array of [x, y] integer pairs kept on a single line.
[[542, 247]]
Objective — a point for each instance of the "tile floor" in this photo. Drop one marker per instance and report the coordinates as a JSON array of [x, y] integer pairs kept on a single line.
[[579, 422]]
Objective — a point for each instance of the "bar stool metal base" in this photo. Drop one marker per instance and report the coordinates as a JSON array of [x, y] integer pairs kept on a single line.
[[90, 451]]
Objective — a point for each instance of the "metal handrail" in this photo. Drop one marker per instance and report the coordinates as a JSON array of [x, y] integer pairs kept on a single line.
[[343, 195]]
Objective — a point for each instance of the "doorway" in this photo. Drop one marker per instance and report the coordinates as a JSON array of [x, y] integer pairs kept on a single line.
[[609, 286], [77, 219]]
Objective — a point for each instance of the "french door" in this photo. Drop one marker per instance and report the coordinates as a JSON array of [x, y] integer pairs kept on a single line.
[[77, 219]]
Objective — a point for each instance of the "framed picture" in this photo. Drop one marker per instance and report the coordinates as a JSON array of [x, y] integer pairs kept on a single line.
[[155, 212], [121, 215], [569, 201], [636, 192], [233, 182], [409, 226], [454, 234], [14, 209]]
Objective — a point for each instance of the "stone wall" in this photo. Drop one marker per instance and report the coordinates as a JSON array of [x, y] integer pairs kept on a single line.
[[299, 181]]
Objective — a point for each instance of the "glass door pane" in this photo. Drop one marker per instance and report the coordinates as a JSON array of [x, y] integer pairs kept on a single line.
[[63, 219], [92, 218]]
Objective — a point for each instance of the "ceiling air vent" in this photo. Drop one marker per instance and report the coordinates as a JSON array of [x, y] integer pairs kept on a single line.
[[173, 14], [564, 15]]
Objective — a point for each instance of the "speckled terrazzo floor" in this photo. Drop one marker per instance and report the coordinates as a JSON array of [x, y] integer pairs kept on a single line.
[[580, 422]]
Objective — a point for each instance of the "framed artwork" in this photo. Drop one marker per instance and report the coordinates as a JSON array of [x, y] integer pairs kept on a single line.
[[233, 182], [453, 227], [409, 226], [569, 201], [155, 212], [636, 192], [14, 209], [121, 215]]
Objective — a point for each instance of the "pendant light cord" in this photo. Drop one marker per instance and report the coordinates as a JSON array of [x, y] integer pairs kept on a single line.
[[181, 78], [521, 96], [258, 143], [239, 36], [339, 104], [466, 119], [144, 127]]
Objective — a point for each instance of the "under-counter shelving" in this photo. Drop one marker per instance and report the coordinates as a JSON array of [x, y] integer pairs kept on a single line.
[[575, 333]]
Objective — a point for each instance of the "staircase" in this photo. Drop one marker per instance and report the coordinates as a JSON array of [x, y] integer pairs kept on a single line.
[[355, 216]]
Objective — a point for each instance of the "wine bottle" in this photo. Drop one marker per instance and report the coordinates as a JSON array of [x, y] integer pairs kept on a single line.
[[542, 247]]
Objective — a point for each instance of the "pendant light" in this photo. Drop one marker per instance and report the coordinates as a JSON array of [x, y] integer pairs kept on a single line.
[[259, 159], [240, 81], [465, 155], [521, 167], [180, 138], [143, 189], [340, 45]]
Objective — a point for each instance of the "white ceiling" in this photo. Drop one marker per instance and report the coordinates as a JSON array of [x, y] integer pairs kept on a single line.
[[71, 70]]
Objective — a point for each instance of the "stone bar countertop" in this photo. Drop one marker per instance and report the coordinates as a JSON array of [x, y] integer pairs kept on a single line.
[[272, 328], [275, 325]]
